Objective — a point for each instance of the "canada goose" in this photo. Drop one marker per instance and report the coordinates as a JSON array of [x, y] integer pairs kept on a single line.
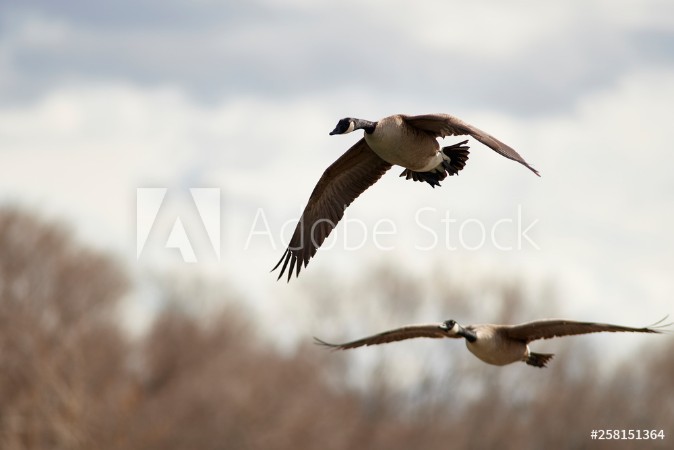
[[408, 141], [497, 344]]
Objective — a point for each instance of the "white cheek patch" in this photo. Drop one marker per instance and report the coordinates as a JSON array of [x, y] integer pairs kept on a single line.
[[455, 328], [352, 127]]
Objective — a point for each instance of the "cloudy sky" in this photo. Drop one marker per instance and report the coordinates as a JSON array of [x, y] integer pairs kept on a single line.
[[99, 99]]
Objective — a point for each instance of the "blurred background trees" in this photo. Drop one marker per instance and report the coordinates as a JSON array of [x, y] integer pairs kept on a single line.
[[71, 377]]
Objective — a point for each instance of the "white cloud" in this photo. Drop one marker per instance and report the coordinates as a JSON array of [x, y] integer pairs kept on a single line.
[[523, 57], [636, 14]]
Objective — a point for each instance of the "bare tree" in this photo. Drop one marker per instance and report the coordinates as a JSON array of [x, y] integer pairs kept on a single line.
[[71, 379], [57, 340]]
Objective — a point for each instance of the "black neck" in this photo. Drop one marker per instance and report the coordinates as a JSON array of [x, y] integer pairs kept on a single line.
[[468, 334], [365, 125]]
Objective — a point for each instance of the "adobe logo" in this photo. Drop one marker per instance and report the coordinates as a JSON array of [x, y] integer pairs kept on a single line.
[[205, 209]]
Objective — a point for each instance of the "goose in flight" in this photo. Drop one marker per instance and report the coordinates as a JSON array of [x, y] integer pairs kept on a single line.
[[497, 344], [407, 141]]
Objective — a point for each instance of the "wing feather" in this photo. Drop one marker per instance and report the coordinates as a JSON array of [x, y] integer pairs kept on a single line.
[[550, 328], [398, 334], [348, 177], [441, 125]]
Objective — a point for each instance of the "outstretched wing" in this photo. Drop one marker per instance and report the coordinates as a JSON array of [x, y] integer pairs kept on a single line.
[[441, 125], [546, 329], [433, 330], [341, 183]]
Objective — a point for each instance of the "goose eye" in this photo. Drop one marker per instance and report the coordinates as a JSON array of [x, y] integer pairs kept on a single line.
[[449, 324]]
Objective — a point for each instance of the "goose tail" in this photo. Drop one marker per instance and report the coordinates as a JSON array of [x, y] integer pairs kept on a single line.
[[538, 359]]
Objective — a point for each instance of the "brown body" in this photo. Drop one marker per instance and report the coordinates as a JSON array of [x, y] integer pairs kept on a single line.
[[396, 142]]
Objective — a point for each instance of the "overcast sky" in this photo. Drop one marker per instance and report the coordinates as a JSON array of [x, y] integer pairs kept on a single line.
[[98, 99]]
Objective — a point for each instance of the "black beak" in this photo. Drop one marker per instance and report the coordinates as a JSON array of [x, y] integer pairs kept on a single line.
[[333, 132]]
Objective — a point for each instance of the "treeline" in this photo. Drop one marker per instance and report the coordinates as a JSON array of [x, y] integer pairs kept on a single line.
[[71, 378]]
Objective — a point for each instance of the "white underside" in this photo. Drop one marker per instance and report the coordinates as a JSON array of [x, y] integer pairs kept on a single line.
[[494, 350], [397, 144]]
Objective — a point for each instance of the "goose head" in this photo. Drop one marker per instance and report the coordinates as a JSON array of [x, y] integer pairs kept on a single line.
[[454, 329], [349, 124], [344, 126]]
